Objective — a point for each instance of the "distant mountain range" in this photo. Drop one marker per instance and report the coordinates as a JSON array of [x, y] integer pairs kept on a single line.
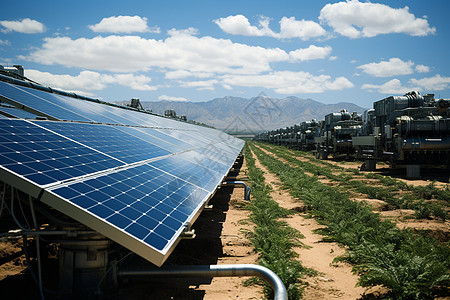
[[257, 114]]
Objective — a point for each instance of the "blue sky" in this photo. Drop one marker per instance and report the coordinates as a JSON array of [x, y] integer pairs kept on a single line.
[[195, 50]]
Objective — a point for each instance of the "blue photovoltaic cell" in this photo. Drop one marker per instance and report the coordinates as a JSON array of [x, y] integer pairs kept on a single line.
[[155, 137], [109, 140], [69, 108], [193, 138], [44, 157], [40, 101], [166, 135], [217, 153], [145, 202], [63, 107], [209, 160], [18, 113], [181, 167]]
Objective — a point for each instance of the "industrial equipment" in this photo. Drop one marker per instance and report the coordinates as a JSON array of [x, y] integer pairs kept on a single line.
[[409, 130], [336, 134]]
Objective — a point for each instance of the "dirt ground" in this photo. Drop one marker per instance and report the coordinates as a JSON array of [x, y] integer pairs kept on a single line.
[[220, 239]]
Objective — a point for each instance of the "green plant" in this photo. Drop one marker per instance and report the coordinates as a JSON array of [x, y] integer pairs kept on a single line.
[[273, 238], [408, 274], [411, 266]]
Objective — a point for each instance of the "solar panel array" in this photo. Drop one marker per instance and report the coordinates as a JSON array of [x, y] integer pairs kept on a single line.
[[139, 179]]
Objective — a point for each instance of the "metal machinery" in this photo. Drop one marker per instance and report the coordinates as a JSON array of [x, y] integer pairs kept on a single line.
[[409, 130], [170, 113], [298, 137], [308, 131], [406, 130], [288, 136], [336, 134]]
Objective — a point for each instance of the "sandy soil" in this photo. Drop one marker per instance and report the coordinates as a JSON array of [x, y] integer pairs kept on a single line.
[[334, 280], [237, 249]]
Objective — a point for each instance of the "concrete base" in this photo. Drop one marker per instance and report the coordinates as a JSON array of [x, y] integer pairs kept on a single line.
[[412, 171], [82, 266], [369, 165]]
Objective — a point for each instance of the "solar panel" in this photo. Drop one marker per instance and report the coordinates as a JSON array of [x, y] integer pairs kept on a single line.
[[16, 113], [139, 179], [44, 157], [73, 109], [108, 140], [181, 167], [157, 137], [138, 205], [41, 101]]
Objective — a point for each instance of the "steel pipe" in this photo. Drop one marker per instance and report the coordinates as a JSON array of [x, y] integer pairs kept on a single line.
[[210, 271], [247, 189]]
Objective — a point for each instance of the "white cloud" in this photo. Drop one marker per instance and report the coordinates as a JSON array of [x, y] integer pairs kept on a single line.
[[86, 80], [239, 25], [310, 53], [188, 31], [393, 67], [289, 27], [435, 83], [288, 82], [393, 86], [355, 19], [200, 85], [169, 98], [177, 52], [89, 80], [123, 24], [422, 69], [292, 28], [5, 42], [180, 74], [24, 26], [138, 83]]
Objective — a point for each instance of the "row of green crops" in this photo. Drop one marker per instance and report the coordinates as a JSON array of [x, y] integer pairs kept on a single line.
[[426, 192], [411, 266], [272, 238], [388, 191]]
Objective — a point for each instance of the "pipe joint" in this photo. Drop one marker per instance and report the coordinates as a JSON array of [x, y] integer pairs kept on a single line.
[[247, 189]]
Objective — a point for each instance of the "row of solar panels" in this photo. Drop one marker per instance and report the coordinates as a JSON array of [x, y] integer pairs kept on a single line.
[[58, 107], [136, 178]]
